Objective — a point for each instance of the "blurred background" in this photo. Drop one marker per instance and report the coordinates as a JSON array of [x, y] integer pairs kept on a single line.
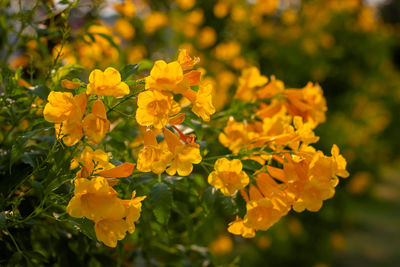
[[350, 47]]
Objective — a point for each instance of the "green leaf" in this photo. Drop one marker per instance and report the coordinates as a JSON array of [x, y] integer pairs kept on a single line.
[[128, 70], [3, 218], [41, 91], [85, 226], [208, 198], [251, 165], [161, 201]]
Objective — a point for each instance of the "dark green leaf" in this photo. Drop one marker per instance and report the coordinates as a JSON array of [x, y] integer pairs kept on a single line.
[[161, 201], [85, 226], [128, 70], [41, 91]]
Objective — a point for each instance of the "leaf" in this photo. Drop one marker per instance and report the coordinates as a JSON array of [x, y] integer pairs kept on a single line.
[[229, 204], [3, 218], [251, 165], [128, 70], [85, 226], [161, 201], [208, 198], [41, 91]]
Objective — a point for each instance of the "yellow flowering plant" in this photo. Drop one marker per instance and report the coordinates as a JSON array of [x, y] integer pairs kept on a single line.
[[187, 132]]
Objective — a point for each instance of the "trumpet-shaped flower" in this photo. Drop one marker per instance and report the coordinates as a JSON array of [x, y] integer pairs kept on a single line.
[[186, 62], [109, 231], [153, 156], [228, 176], [107, 83], [95, 124], [61, 107], [202, 101], [249, 80], [133, 208], [184, 155], [95, 199], [167, 77], [70, 130], [155, 108]]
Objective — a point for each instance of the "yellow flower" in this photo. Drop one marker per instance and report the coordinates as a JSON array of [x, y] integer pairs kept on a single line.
[[185, 4], [153, 156], [227, 51], [222, 245], [273, 88], [237, 227], [109, 231], [95, 124], [154, 21], [127, 8], [248, 81], [70, 130], [207, 37], [133, 208], [61, 107], [167, 77], [185, 155], [107, 83], [266, 203], [228, 176], [90, 160], [202, 101], [124, 28], [339, 163], [235, 135], [186, 62], [307, 102], [96, 200], [155, 108]]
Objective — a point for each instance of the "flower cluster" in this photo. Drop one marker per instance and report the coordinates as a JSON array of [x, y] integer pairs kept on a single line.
[[292, 173], [67, 111], [157, 108], [95, 198]]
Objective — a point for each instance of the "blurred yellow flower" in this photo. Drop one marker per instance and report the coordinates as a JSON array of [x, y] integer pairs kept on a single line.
[[185, 4], [127, 8], [222, 245], [154, 21], [248, 81], [206, 37], [124, 28]]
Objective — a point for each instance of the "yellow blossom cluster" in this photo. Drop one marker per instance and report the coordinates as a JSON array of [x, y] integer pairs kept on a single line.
[[95, 198], [157, 108], [293, 174], [67, 111]]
